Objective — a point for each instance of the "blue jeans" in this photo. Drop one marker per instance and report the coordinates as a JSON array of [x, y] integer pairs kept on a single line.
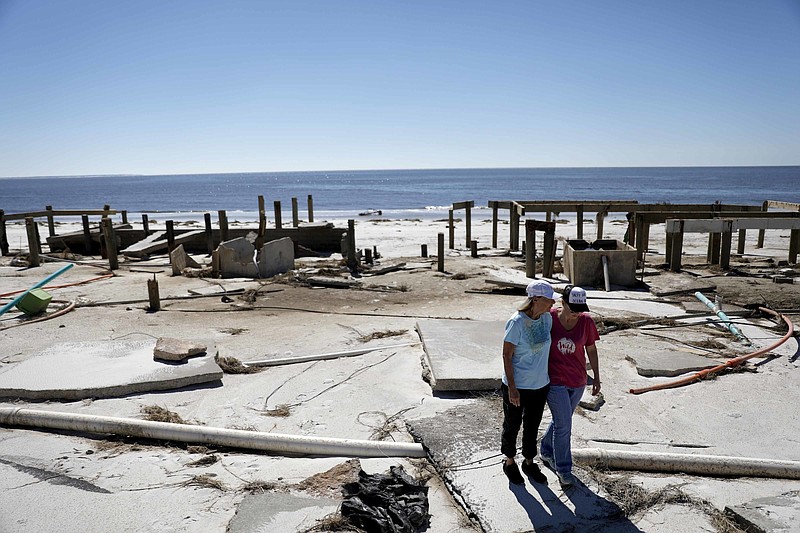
[[555, 445]]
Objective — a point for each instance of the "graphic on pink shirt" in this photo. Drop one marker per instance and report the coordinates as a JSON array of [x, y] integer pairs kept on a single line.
[[566, 346]]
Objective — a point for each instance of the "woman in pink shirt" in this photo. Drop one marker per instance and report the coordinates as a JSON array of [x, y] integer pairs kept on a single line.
[[573, 337]]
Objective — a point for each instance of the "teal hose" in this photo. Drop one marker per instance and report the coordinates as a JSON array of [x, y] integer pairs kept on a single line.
[[40, 284]]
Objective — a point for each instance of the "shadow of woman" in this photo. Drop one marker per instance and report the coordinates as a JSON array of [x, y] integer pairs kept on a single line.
[[592, 512]]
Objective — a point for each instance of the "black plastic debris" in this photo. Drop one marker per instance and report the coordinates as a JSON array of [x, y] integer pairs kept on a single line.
[[386, 503]]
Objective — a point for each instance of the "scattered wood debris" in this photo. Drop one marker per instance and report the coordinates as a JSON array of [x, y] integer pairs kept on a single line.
[[156, 413], [231, 365]]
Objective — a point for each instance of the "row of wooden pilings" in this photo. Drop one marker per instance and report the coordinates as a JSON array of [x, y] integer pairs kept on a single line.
[[108, 240]]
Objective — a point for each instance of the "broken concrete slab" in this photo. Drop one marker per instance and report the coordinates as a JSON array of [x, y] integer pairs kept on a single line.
[[179, 260], [464, 442], [237, 259], [157, 242], [669, 363], [276, 511], [769, 515], [169, 349], [463, 355], [673, 283], [100, 369], [276, 257]]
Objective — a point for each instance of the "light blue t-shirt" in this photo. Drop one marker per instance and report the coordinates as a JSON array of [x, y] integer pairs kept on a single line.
[[532, 341]]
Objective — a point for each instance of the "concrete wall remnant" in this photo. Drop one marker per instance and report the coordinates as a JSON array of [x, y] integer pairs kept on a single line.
[[237, 258], [583, 262]]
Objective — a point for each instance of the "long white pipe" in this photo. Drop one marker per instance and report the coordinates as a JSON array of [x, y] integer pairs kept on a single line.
[[707, 465], [318, 357], [234, 438], [606, 275]]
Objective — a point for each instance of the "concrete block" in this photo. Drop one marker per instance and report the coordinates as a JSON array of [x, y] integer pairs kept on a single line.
[[583, 262], [237, 259], [769, 515], [179, 260], [169, 349], [276, 257], [669, 363], [463, 355]]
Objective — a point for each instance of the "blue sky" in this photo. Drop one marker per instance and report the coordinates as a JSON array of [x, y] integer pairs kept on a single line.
[[160, 87]]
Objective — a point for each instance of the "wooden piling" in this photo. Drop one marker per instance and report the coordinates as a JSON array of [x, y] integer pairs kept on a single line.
[[310, 209], [599, 219], [51, 225], [794, 245], [124, 216], [579, 214], [530, 249], [111, 244], [514, 216], [676, 250], [760, 243], [352, 258], [451, 225], [87, 235], [223, 225], [726, 238], [277, 205], [145, 224], [368, 256], [152, 294], [714, 241], [33, 247], [262, 223], [209, 233], [468, 219], [740, 241], [549, 252], [494, 224], [3, 234], [295, 213], [170, 235], [473, 248], [440, 258], [106, 209], [423, 252]]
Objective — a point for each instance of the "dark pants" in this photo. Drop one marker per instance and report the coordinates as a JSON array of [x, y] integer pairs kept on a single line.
[[528, 415]]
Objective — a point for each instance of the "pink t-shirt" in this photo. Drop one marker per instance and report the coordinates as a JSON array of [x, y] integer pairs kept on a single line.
[[567, 365]]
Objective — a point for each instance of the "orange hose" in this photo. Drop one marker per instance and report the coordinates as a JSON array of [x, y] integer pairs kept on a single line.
[[728, 364], [104, 276]]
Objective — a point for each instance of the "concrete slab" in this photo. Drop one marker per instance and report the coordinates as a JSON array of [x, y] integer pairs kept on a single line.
[[237, 259], [464, 443], [769, 515], [101, 369], [463, 355], [672, 283], [669, 363], [276, 257], [275, 511]]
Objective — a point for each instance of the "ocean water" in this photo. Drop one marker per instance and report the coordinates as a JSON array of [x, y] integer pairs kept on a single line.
[[397, 193]]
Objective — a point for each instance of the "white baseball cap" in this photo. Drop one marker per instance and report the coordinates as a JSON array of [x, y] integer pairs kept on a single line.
[[539, 288]]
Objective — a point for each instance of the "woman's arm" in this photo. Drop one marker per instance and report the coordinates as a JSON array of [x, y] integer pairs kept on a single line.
[[508, 354], [591, 352]]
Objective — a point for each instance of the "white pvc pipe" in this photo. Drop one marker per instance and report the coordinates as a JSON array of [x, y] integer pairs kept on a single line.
[[606, 275], [317, 357], [234, 438], [707, 465]]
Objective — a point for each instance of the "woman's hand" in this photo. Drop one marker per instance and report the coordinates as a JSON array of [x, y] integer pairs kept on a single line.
[[513, 396], [595, 387]]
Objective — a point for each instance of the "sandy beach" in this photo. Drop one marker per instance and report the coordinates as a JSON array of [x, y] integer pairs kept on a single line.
[[382, 395]]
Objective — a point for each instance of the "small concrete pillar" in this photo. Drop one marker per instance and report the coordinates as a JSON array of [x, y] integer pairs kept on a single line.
[[152, 294]]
